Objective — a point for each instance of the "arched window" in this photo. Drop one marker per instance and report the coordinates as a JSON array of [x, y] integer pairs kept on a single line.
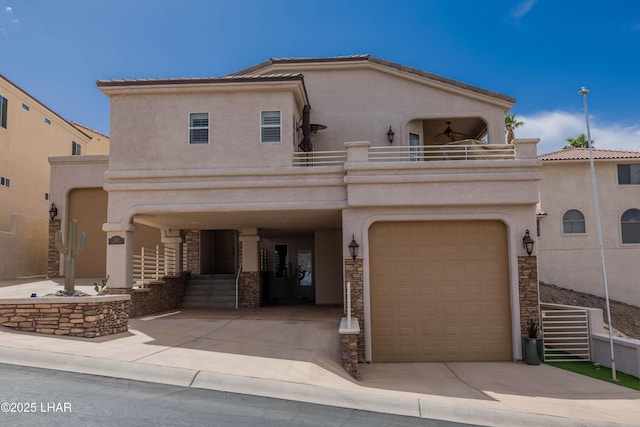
[[573, 222], [630, 226]]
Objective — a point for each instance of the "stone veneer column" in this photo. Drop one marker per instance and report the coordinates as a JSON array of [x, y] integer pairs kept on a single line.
[[529, 292], [353, 274], [193, 252], [249, 289], [53, 257]]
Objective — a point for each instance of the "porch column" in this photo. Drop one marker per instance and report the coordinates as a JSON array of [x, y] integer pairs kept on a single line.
[[250, 284], [529, 291], [120, 254], [173, 239]]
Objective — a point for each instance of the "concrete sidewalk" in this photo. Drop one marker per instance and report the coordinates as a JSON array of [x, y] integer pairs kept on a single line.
[[293, 353]]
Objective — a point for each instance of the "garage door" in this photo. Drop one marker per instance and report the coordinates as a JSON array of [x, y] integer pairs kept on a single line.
[[439, 291]]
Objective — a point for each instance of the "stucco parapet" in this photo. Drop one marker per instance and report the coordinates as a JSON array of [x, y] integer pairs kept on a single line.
[[526, 148], [394, 176], [93, 159]]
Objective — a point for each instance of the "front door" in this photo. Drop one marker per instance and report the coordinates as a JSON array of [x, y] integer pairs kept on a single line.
[[224, 251], [218, 251]]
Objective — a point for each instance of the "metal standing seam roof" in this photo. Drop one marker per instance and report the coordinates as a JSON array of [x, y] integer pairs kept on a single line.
[[372, 59], [583, 154]]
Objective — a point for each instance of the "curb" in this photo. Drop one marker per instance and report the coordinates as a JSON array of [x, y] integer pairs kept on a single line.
[[358, 400]]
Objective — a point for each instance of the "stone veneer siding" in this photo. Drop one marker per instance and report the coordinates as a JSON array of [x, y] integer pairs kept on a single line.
[[529, 291], [193, 251], [249, 289], [88, 317], [156, 296], [350, 354], [353, 273], [53, 256]]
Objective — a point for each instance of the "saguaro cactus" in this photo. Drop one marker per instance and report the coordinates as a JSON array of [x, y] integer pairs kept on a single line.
[[70, 253]]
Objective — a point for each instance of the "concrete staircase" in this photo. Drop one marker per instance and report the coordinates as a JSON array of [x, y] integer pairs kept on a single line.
[[210, 291]]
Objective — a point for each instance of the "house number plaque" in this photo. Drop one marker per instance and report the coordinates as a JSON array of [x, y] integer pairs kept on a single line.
[[116, 240]]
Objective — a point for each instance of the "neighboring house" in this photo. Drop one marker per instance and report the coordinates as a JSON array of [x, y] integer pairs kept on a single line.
[[30, 132], [269, 173], [568, 246]]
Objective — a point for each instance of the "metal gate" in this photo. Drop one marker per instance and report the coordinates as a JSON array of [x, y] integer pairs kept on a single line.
[[566, 334]]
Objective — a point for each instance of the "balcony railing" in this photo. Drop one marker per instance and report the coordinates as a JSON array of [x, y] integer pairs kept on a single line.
[[441, 152], [320, 158], [403, 153]]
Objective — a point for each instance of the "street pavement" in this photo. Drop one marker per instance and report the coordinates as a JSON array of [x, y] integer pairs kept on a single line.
[[292, 353]]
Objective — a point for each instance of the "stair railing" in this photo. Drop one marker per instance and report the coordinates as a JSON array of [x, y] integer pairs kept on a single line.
[[238, 282]]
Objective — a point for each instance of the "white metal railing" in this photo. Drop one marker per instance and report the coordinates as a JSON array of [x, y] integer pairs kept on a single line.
[[238, 282], [463, 150], [442, 152], [566, 335], [152, 264], [319, 158]]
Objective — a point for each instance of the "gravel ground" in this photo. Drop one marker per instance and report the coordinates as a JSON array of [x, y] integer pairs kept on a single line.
[[625, 317]]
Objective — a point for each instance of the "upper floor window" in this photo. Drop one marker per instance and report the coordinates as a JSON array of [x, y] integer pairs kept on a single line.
[[270, 126], [47, 121], [630, 226], [76, 149], [25, 106], [573, 222], [198, 128], [629, 174], [5, 182], [3, 111]]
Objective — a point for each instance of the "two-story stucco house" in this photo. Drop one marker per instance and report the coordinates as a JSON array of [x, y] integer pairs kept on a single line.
[[568, 237], [270, 173], [30, 132]]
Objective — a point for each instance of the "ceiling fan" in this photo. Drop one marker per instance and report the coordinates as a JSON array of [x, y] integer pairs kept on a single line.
[[449, 133]]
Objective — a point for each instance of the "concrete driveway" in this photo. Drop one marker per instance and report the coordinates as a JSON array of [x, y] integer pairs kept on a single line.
[[294, 353]]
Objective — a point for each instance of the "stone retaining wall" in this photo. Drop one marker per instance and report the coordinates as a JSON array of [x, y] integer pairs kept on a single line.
[[155, 297], [88, 317]]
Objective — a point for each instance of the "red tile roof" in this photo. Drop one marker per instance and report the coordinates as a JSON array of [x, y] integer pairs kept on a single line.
[[583, 154]]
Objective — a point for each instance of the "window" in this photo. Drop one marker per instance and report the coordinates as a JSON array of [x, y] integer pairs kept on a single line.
[[270, 126], [4, 181], [47, 121], [47, 196], [630, 226], [76, 149], [3, 111], [629, 174], [198, 128], [573, 222], [26, 107]]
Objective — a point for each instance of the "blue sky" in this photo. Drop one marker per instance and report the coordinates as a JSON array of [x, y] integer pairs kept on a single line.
[[538, 51]]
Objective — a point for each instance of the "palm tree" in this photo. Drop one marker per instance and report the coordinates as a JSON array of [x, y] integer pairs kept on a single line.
[[510, 123], [579, 142]]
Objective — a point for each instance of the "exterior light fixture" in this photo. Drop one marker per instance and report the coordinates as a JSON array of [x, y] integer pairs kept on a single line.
[[528, 242], [390, 135], [53, 212], [353, 248]]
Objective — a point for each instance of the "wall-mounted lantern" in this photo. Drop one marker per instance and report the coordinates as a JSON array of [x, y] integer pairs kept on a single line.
[[528, 242], [353, 247], [390, 135], [53, 212]]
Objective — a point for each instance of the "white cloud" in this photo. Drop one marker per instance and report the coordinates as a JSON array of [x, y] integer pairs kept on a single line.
[[523, 8], [554, 127], [8, 9]]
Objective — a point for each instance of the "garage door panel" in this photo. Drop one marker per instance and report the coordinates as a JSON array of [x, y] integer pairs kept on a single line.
[[445, 296]]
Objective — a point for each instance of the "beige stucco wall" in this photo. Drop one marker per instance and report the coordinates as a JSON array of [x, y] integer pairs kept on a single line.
[[328, 259], [25, 146], [573, 260], [358, 102]]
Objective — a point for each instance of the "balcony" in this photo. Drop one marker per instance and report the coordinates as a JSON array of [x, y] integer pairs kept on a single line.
[[460, 150]]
